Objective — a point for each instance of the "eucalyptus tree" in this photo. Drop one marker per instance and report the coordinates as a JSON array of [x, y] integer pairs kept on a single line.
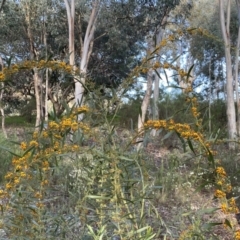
[[215, 50], [36, 30]]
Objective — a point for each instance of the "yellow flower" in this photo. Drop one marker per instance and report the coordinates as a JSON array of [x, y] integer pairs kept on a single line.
[[38, 195], [23, 146], [45, 165], [9, 175], [221, 171], [75, 148], [219, 194], [171, 37], [144, 70], [35, 135], [157, 65], [16, 180], [53, 125], [237, 235], [9, 186], [74, 126], [163, 43], [219, 182], [23, 174], [228, 188], [44, 182], [33, 143], [166, 65], [224, 208], [45, 134], [40, 205]]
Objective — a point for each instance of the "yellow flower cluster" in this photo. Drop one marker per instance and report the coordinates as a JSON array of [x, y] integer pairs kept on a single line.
[[221, 172], [183, 129], [19, 173], [219, 194], [26, 65], [237, 235], [69, 123], [228, 206]]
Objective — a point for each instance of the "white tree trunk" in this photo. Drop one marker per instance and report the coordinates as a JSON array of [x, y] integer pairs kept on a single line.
[[86, 48], [1, 102], [155, 102], [37, 96], [86, 51], [159, 38], [236, 70], [33, 55], [144, 107], [47, 80], [231, 114], [46, 98], [70, 7]]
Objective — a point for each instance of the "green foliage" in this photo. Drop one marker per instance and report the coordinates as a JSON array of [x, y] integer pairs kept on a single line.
[[6, 157], [218, 119], [27, 110], [128, 114]]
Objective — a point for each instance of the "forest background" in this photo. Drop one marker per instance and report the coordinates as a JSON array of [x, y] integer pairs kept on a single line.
[[120, 119]]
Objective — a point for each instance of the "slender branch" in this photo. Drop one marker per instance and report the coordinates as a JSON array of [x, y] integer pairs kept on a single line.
[[222, 21], [228, 16], [3, 2]]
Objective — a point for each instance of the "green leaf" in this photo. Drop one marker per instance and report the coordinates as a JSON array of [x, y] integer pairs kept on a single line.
[[97, 197], [207, 211], [125, 158], [151, 237], [167, 135], [210, 157], [156, 71], [157, 187], [175, 59], [189, 72], [166, 76], [182, 141], [28, 150], [8, 150], [175, 86], [142, 229], [187, 214], [227, 222], [191, 146]]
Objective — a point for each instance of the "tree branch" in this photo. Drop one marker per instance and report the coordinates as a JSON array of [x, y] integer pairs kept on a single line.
[[3, 2]]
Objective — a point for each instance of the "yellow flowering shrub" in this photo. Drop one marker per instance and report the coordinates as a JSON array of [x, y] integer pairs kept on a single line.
[[30, 173]]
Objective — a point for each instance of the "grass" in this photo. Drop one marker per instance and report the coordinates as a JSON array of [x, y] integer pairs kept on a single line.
[[17, 121]]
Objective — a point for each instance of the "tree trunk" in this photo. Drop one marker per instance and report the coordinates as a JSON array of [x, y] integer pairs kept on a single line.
[[144, 107], [70, 7], [36, 78], [47, 78], [86, 48], [1, 102], [155, 102], [159, 38], [209, 101], [33, 55], [86, 51], [231, 114], [236, 70]]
